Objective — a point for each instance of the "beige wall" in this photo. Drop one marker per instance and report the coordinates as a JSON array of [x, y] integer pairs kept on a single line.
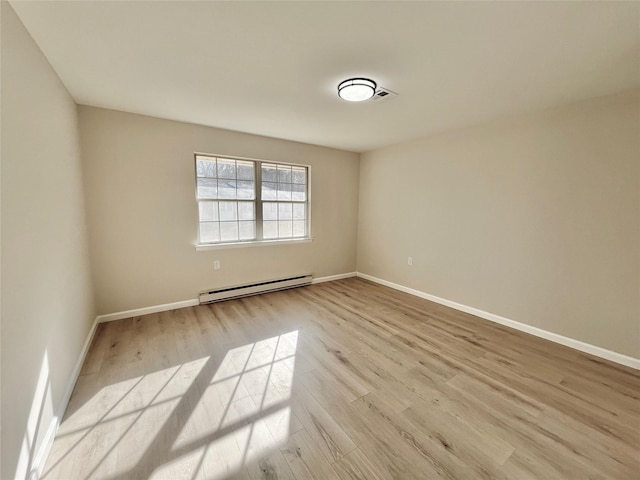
[[139, 179], [534, 218], [47, 306]]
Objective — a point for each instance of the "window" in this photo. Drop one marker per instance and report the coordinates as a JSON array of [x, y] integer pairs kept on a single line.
[[250, 200]]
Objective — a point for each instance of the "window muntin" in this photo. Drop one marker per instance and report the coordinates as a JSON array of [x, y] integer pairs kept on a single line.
[[250, 200]]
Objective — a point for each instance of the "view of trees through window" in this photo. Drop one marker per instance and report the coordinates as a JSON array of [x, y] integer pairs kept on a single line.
[[245, 200]]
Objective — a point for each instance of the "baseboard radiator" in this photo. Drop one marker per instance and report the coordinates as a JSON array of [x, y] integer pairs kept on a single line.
[[227, 293]]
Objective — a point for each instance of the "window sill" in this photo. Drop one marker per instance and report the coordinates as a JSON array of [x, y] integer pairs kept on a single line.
[[262, 243]]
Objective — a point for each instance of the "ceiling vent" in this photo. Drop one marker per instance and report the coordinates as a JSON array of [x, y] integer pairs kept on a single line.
[[383, 94]]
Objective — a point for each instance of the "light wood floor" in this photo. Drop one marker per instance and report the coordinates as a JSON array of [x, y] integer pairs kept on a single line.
[[344, 380]]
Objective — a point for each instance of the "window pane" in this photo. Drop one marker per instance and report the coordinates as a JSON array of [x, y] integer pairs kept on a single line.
[[298, 192], [299, 175], [208, 211], [205, 168], [226, 188], [207, 188], [299, 211], [284, 229], [246, 211], [269, 173], [284, 191], [209, 232], [270, 211], [298, 228], [247, 230], [244, 170], [226, 168], [270, 229], [285, 211], [245, 189], [284, 174], [228, 231], [269, 191], [228, 211]]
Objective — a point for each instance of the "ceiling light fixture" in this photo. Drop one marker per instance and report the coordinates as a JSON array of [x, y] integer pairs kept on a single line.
[[357, 89]]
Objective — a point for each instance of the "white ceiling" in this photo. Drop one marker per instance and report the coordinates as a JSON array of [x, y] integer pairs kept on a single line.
[[272, 68]]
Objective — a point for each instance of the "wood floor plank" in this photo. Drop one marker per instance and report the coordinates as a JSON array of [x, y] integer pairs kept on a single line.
[[326, 433], [389, 452], [305, 459], [332, 361], [433, 450], [342, 380], [356, 466], [101, 340], [270, 467], [495, 393], [474, 446]]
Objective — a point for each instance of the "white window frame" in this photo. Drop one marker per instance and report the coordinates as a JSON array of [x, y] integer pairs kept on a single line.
[[258, 201]]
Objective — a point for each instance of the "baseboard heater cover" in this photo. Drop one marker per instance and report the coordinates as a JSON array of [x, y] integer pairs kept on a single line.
[[227, 293]]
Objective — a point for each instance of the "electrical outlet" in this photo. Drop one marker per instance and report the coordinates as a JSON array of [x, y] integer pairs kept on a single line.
[[216, 264], [409, 260]]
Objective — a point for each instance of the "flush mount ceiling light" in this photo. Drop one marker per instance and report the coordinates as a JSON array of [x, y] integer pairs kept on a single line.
[[357, 89]]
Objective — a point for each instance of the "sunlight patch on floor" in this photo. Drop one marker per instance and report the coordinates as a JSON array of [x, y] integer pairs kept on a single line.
[[197, 419]]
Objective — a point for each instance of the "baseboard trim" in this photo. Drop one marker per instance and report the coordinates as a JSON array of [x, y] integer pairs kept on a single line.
[[331, 278], [538, 332], [136, 312], [41, 456]]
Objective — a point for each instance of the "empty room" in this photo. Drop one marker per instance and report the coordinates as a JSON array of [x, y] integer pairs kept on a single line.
[[320, 240]]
